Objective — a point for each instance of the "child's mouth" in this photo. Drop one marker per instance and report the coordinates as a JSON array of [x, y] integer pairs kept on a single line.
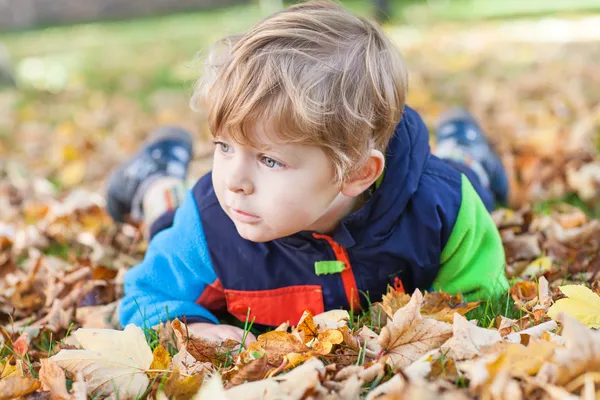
[[244, 217]]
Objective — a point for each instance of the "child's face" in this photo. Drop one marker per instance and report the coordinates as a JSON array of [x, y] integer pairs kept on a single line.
[[276, 192]]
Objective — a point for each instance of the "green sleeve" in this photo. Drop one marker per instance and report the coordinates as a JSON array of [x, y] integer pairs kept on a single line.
[[472, 263]]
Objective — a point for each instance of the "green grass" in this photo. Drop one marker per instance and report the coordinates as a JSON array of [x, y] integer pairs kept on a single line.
[[141, 55]]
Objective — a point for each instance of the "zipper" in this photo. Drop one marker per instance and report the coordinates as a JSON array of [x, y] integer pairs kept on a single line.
[[347, 275]]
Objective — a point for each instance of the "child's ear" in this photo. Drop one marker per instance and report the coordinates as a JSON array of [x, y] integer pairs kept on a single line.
[[364, 177]]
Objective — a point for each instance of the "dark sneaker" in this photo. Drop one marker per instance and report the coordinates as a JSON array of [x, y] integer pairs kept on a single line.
[[167, 152], [457, 131]]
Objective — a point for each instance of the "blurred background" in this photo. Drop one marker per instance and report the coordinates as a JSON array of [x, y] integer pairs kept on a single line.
[[84, 81]]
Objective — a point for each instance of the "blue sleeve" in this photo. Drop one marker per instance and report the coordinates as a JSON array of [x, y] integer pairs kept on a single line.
[[176, 269]]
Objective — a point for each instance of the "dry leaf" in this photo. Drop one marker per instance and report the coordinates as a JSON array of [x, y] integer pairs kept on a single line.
[[17, 386], [110, 359], [408, 336], [581, 352], [436, 305], [182, 388], [253, 371], [21, 345], [187, 364], [468, 339], [161, 360], [201, 349], [581, 304], [276, 345], [53, 380]]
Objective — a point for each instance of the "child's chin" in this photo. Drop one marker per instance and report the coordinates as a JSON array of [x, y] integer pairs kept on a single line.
[[254, 234]]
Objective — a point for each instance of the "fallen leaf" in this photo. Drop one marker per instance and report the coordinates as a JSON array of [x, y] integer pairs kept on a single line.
[[581, 303], [253, 371], [332, 319], [110, 359], [580, 354], [21, 345], [538, 266], [182, 388], [201, 349], [161, 360], [276, 344], [436, 305], [79, 388], [408, 335], [523, 292], [468, 339], [187, 364], [442, 306], [17, 386], [53, 379]]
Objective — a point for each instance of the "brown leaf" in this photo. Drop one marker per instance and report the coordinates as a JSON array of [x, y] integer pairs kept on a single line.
[[53, 380], [306, 327], [442, 306], [17, 386], [436, 305], [276, 345], [523, 292], [408, 336], [253, 371], [523, 247], [393, 300], [201, 349]]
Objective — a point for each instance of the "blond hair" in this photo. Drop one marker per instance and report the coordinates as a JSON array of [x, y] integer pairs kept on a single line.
[[317, 74]]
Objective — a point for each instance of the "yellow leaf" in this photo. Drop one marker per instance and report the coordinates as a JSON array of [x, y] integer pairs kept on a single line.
[[182, 388], [581, 304], [11, 370], [538, 266], [161, 360], [73, 173], [307, 328], [276, 345], [17, 386], [326, 340]]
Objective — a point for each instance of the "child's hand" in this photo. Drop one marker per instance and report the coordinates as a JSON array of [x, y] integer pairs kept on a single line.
[[220, 332]]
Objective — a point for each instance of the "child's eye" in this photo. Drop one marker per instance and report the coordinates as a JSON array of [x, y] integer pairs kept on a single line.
[[270, 163], [224, 146]]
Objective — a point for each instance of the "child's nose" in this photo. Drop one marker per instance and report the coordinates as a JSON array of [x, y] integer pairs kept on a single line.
[[238, 180]]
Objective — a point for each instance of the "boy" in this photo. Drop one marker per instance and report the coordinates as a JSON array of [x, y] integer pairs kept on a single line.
[[323, 185]]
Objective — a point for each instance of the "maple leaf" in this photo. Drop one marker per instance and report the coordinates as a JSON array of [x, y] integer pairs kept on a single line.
[[318, 337], [468, 339], [436, 305], [111, 360], [53, 380], [581, 303], [408, 335]]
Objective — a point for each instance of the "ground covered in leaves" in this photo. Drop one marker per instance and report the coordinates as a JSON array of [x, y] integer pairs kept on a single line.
[[62, 260]]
